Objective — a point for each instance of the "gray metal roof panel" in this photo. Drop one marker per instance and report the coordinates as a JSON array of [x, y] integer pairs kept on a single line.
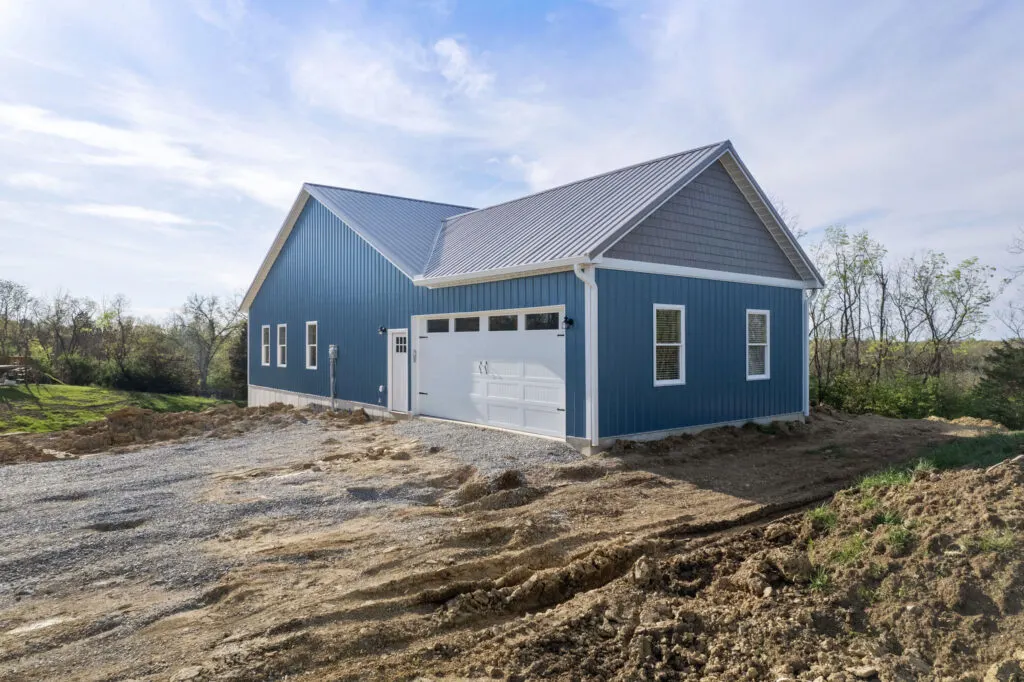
[[564, 222], [402, 229]]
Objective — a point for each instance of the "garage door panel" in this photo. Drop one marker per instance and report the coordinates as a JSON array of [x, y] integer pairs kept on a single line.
[[512, 379]]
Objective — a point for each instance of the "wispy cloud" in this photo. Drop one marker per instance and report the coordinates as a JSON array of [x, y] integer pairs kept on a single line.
[[132, 213], [904, 120]]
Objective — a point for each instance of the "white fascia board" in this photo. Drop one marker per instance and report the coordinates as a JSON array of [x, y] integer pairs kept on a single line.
[[500, 273], [275, 248], [819, 282], [696, 273]]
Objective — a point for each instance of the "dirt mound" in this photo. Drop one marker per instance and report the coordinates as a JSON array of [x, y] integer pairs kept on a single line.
[[136, 426], [19, 450], [971, 421]]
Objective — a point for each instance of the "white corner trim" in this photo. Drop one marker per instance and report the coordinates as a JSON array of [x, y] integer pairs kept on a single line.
[[681, 381], [696, 273], [767, 345], [588, 275]]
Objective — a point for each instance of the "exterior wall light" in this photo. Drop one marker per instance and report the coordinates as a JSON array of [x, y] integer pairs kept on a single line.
[[382, 330], [567, 323]]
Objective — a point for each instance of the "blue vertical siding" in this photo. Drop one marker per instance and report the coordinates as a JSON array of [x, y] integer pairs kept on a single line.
[[327, 273], [716, 388]]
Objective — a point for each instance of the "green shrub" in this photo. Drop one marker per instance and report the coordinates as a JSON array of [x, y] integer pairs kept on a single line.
[[1000, 393]]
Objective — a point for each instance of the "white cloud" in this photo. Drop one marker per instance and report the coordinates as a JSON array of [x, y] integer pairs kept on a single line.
[[132, 213], [39, 181], [459, 69]]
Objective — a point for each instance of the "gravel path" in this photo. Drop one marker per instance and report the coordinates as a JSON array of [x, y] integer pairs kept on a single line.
[[142, 516], [489, 450]]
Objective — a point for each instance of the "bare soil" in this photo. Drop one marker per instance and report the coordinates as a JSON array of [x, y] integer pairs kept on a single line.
[[689, 558]]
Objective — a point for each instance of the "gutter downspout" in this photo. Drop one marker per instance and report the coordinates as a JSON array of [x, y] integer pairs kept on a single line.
[[587, 274]]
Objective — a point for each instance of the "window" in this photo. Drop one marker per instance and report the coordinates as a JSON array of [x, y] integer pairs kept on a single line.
[[503, 323], [265, 340], [758, 350], [282, 345], [437, 326], [541, 321], [467, 324], [669, 341], [311, 345]]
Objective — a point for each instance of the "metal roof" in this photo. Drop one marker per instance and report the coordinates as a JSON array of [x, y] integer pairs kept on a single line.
[[577, 220], [437, 244], [403, 230]]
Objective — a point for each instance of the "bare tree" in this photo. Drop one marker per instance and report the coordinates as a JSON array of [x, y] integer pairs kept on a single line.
[[14, 306], [118, 331], [203, 325]]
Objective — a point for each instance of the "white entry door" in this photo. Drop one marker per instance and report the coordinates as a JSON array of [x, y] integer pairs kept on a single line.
[[500, 368], [398, 370]]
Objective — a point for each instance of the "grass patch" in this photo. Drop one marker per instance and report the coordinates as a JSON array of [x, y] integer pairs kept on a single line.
[[38, 409], [886, 518], [980, 451], [821, 580], [867, 502], [822, 518], [899, 538], [889, 477], [851, 549], [998, 542]]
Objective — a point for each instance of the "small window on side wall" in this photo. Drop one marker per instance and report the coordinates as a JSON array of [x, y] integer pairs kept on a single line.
[[758, 344], [437, 326], [669, 345], [282, 345], [311, 348], [265, 344]]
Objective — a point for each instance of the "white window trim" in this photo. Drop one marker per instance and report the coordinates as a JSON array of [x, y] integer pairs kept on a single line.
[[315, 325], [265, 347], [281, 346], [682, 344], [767, 345]]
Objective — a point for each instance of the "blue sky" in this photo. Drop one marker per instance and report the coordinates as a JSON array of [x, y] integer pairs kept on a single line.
[[153, 148]]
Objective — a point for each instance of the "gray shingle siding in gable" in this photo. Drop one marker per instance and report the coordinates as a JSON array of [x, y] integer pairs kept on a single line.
[[708, 225]]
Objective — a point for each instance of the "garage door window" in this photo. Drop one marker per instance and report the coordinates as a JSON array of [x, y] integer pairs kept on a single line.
[[467, 324], [503, 323], [669, 345], [541, 321], [437, 326]]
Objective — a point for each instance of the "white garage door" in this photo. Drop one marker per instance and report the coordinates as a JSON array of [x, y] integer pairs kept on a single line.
[[500, 368]]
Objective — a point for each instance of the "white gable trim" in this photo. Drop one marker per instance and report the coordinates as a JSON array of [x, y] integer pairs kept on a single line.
[[275, 249], [758, 202], [697, 273], [757, 199]]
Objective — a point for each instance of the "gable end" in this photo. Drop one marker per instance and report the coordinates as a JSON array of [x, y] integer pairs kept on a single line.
[[710, 225]]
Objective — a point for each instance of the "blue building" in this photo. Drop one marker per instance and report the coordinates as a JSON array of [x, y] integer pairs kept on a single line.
[[651, 300]]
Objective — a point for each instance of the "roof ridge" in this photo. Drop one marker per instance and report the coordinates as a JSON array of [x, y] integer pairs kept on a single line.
[[389, 196], [589, 177]]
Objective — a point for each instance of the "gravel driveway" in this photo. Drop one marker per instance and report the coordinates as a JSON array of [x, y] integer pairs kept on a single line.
[[142, 516]]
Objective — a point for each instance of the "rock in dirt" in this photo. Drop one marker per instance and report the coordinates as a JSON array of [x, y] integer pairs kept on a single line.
[[1005, 671], [792, 564]]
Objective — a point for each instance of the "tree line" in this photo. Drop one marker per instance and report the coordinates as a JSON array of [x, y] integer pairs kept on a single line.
[[200, 348], [898, 336]]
